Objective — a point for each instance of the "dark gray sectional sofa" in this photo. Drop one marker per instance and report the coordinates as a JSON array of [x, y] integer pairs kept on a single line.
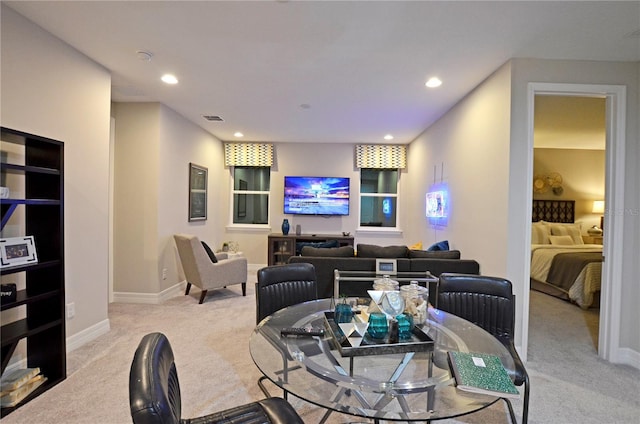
[[326, 260]]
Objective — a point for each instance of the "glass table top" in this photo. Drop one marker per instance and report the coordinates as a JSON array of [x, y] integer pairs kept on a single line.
[[412, 386]]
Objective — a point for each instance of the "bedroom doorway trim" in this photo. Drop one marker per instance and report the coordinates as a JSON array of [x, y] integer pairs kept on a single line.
[[610, 295]]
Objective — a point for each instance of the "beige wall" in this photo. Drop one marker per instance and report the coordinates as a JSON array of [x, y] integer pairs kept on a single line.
[[495, 117], [52, 90], [468, 149], [183, 142], [153, 149], [315, 159], [136, 197], [583, 173]]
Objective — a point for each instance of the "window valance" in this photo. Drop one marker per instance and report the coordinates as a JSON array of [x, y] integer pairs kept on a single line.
[[385, 156], [248, 154]]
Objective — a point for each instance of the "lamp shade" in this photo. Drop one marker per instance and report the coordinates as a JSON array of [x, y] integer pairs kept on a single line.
[[598, 206]]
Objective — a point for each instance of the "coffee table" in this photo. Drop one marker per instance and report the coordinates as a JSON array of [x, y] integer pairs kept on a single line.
[[412, 386]]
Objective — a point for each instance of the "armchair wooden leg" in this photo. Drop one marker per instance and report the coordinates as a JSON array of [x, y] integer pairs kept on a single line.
[[244, 289], [188, 288], [202, 296]]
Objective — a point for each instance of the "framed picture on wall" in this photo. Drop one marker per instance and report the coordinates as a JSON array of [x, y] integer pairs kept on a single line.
[[197, 192]]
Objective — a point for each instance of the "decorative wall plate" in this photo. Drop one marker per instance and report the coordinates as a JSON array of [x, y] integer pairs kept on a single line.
[[540, 184]]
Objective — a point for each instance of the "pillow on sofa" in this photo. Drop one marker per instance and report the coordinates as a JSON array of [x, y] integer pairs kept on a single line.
[[441, 245], [373, 251], [336, 252], [436, 254], [417, 246], [212, 255]]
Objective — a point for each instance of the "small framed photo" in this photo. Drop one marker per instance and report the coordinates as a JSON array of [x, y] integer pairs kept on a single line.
[[17, 251], [386, 266]]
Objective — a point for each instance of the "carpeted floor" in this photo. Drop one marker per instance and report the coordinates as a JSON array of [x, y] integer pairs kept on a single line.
[[570, 384]]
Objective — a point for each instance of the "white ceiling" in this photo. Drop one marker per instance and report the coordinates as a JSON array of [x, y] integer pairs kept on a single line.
[[326, 71]]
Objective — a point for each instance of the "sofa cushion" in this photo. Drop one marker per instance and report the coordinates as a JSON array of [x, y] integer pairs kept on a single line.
[[336, 252], [438, 266], [441, 245], [374, 251], [441, 254], [324, 244]]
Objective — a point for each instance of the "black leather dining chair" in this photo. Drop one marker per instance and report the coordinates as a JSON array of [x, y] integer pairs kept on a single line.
[[154, 393], [279, 286], [489, 303]]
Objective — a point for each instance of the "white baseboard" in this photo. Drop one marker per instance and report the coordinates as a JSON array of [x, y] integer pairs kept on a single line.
[[87, 335], [151, 298], [252, 269], [628, 357], [173, 291]]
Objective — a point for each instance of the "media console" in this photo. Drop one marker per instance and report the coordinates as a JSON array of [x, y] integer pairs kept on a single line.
[[282, 247]]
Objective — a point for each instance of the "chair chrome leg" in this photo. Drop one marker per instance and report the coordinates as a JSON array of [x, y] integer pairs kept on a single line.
[[511, 412], [263, 387]]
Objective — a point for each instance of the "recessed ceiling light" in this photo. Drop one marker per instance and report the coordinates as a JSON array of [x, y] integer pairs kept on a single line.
[[388, 137], [433, 82], [169, 79], [238, 134]]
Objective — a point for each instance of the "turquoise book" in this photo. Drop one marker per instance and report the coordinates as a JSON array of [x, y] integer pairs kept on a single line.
[[481, 373]]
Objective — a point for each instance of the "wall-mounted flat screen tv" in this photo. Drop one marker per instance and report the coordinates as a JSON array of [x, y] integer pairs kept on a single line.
[[316, 195]]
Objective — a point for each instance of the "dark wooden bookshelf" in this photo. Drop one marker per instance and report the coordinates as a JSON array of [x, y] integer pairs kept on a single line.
[[42, 298]]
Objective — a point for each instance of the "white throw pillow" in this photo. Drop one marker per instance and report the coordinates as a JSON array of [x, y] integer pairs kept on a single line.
[[540, 233], [561, 240], [573, 230]]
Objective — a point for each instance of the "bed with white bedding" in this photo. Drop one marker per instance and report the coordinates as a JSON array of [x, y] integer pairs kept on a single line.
[[561, 264], [571, 272]]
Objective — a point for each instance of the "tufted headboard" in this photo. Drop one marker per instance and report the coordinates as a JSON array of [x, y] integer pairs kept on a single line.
[[553, 211]]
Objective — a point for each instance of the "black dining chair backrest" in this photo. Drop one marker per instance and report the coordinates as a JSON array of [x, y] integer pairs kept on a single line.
[[280, 286], [154, 393], [489, 303]]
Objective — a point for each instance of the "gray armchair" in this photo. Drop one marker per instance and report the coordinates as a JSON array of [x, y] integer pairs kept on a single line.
[[209, 271]]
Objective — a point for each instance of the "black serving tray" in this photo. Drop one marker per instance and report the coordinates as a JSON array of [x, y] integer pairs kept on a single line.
[[420, 341]]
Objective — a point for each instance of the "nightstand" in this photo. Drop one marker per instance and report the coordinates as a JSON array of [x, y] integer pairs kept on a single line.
[[592, 239]]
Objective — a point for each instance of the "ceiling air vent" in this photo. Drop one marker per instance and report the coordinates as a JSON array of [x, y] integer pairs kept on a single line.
[[213, 118]]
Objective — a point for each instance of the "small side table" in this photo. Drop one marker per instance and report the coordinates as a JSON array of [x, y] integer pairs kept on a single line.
[[592, 239]]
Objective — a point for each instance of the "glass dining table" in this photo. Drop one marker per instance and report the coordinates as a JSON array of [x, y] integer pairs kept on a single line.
[[403, 385]]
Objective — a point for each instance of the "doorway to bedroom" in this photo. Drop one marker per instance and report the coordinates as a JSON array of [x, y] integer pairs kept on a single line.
[[569, 173]]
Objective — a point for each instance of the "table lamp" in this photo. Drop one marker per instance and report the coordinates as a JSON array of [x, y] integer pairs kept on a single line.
[[598, 207]]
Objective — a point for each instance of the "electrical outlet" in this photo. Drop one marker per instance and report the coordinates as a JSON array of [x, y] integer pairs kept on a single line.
[[164, 273], [71, 310]]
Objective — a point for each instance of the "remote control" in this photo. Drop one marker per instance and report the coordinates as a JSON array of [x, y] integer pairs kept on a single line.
[[299, 331]]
